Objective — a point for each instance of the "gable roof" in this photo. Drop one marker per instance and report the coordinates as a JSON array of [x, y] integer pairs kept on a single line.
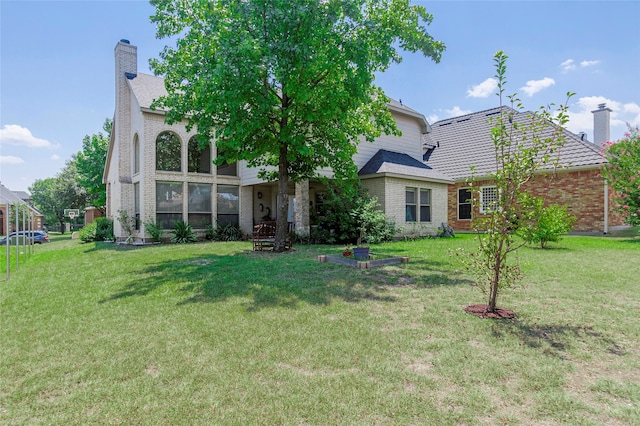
[[396, 163], [460, 142], [9, 197]]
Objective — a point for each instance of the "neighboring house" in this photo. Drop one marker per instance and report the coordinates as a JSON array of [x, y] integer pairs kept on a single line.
[[12, 198], [456, 144], [156, 172]]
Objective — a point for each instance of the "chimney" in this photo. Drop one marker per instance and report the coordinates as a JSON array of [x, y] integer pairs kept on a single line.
[[601, 130]]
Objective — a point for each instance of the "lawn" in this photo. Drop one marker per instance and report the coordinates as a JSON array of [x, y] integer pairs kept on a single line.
[[213, 333]]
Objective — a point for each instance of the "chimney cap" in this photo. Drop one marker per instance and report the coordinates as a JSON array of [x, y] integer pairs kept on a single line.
[[124, 40]]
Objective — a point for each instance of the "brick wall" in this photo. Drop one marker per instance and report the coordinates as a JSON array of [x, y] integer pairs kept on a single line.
[[582, 191]]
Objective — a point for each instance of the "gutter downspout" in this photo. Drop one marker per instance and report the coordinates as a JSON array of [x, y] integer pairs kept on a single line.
[[606, 208]]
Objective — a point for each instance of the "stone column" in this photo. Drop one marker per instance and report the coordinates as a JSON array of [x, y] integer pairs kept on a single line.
[[302, 208]]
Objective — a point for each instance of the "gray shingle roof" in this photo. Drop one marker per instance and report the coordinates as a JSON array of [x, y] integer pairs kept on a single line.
[[465, 141], [402, 164], [146, 88]]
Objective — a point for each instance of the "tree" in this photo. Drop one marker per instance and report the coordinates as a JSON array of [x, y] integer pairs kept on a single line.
[[90, 163], [522, 149], [53, 195], [622, 172], [286, 86]]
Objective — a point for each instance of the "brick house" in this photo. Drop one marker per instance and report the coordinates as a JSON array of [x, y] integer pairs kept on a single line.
[[456, 144], [156, 172], [12, 198]]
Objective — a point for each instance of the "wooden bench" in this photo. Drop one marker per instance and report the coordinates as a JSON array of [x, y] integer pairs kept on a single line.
[[264, 236]]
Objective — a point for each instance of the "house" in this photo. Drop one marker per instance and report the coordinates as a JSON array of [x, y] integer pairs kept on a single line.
[[156, 172], [456, 144], [9, 199]]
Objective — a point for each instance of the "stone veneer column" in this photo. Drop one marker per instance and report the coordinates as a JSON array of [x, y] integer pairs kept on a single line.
[[302, 208]]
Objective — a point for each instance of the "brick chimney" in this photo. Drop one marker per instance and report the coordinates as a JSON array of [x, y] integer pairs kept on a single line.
[[601, 127]]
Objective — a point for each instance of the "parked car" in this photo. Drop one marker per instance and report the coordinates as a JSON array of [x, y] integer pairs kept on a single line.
[[38, 237]]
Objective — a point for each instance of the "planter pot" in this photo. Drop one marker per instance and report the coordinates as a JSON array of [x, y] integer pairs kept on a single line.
[[361, 252]]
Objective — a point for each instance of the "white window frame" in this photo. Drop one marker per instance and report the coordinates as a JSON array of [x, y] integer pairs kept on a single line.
[[488, 205]]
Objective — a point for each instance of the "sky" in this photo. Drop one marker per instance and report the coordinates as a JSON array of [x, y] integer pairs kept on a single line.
[[57, 68]]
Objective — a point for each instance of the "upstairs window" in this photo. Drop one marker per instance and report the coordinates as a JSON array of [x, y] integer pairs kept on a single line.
[[227, 169], [168, 152], [199, 159], [136, 154]]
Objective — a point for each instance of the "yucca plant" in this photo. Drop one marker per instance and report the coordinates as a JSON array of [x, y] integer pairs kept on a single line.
[[182, 233]]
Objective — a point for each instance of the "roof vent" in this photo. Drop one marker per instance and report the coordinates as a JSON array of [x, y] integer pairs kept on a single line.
[[124, 40], [582, 135], [602, 106]]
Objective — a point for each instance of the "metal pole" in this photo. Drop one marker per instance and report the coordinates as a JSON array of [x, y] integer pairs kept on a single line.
[[24, 235], [17, 239], [8, 223]]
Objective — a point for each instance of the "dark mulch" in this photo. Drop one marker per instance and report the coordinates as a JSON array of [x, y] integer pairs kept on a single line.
[[480, 310]]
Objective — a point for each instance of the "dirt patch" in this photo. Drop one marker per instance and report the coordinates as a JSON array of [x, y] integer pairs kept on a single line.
[[480, 310]]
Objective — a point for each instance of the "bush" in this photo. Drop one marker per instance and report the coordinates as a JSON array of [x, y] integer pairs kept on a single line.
[[224, 233], [182, 233], [99, 230], [154, 230], [551, 222], [349, 214]]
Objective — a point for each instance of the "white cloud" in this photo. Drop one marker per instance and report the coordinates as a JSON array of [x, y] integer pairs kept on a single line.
[[568, 65], [55, 157], [433, 118], [13, 134], [484, 89], [9, 159], [585, 64], [534, 86], [581, 118], [456, 111]]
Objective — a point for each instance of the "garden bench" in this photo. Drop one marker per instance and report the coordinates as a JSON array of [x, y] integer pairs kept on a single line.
[[264, 236]]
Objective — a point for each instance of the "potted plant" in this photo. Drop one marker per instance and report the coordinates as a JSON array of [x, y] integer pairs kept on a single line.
[[347, 252], [361, 251]]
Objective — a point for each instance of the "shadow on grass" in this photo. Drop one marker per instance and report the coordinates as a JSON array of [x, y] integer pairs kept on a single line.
[[266, 279], [555, 340]]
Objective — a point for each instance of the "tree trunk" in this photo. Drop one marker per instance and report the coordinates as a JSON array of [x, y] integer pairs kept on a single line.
[[282, 204]]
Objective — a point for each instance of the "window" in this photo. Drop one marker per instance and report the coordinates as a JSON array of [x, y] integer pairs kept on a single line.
[[488, 199], [199, 205], [417, 210], [136, 205], [136, 154], [228, 205], [199, 159], [425, 205], [168, 203], [464, 204], [227, 169], [168, 152], [410, 209]]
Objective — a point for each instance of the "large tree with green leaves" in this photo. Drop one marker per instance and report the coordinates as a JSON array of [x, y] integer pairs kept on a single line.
[[287, 86], [90, 164], [53, 195]]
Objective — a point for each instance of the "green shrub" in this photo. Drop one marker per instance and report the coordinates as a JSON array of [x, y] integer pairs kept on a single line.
[[99, 230], [104, 229], [349, 214], [549, 224], [88, 233], [182, 233], [224, 233], [154, 230]]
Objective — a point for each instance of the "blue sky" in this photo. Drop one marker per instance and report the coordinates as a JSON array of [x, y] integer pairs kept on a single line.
[[57, 81]]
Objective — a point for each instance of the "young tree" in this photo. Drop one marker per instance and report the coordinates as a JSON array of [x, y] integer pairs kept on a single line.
[[90, 164], [622, 172], [286, 85], [522, 148]]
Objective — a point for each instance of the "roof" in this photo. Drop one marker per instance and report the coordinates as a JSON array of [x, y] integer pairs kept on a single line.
[[461, 142], [9, 197], [389, 162]]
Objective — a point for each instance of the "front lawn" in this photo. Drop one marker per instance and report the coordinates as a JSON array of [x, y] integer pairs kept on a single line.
[[213, 333]]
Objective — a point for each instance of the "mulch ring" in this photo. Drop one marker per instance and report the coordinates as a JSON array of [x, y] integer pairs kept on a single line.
[[480, 310]]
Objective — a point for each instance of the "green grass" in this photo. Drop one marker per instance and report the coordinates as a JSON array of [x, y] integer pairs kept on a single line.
[[214, 333]]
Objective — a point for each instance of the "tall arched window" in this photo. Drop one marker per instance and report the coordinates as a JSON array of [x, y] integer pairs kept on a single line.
[[199, 159], [168, 152], [136, 154]]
